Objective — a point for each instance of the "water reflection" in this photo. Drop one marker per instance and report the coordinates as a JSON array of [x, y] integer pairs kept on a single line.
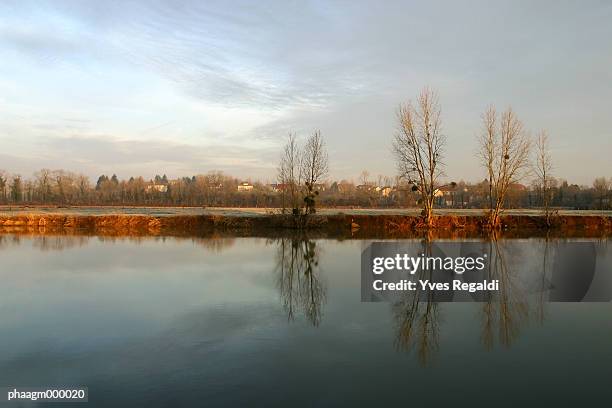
[[417, 317], [509, 310], [544, 283], [299, 278], [502, 313], [528, 275], [526, 272], [47, 242]]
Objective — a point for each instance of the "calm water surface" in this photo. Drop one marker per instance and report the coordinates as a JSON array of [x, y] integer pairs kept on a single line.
[[250, 321]]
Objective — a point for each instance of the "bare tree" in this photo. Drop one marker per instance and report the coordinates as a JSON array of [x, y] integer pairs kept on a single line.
[[364, 177], [504, 153], [543, 170], [314, 167], [43, 181], [289, 174], [64, 185], [3, 183], [601, 187], [16, 189], [418, 147], [83, 185]]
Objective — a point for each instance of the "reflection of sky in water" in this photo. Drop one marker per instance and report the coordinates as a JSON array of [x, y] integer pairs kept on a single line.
[[159, 317]]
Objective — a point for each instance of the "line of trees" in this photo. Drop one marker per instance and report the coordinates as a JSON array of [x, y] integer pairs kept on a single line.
[[64, 188], [504, 149], [218, 189]]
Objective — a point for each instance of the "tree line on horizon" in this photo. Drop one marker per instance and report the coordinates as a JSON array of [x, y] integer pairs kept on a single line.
[[215, 189]]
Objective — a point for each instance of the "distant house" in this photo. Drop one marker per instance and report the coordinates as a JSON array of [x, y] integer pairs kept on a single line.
[[320, 187], [452, 195], [438, 193], [159, 188], [245, 186], [278, 187], [384, 191], [444, 195]]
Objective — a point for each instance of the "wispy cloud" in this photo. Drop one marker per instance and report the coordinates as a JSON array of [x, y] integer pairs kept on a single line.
[[103, 153], [235, 57]]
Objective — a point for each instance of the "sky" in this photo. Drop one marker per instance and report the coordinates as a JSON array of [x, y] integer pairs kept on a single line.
[[187, 87]]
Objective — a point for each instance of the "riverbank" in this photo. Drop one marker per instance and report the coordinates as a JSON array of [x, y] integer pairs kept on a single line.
[[163, 211], [361, 223]]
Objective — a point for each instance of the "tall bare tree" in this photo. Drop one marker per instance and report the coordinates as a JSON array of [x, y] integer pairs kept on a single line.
[[314, 168], [289, 174], [418, 148], [364, 177], [3, 183], [543, 170], [43, 182], [601, 187], [16, 189], [64, 185], [504, 153], [83, 185]]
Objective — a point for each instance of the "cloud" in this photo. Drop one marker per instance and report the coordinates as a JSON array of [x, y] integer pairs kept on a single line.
[[137, 157], [249, 72], [95, 155], [31, 41], [238, 57]]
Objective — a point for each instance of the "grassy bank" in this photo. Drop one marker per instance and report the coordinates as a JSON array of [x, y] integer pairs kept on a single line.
[[359, 223]]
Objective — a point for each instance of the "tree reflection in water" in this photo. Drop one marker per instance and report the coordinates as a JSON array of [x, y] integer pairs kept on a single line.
[[508, 309], [57, 242], [417, 317], [299, 278], [541, 310], [503, 312]]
